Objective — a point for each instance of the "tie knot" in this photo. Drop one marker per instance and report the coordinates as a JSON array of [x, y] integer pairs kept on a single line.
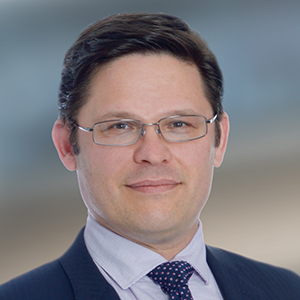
[[173, 277]]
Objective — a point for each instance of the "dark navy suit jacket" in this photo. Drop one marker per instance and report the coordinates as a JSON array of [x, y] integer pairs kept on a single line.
[[75, 276]]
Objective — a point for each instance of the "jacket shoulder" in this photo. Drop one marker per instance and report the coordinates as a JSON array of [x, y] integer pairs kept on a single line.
[[273, 281], [44, 283]]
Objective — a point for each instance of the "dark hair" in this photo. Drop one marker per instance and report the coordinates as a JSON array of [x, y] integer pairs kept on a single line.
[[123, 34]]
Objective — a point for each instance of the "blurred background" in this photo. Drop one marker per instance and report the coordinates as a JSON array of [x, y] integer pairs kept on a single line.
[[254, 205]]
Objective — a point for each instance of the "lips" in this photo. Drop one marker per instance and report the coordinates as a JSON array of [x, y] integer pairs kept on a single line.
[[154, 186]]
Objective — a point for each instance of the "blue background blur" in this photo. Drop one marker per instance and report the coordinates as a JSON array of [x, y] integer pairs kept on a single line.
[[254, 206]]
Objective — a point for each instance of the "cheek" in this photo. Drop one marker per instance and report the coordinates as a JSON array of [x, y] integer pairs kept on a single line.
[[94, 178], [198, 164], [100, 169], [197, 159]]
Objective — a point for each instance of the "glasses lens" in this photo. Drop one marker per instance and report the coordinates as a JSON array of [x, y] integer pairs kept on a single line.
[[117, 132], [183, 128]]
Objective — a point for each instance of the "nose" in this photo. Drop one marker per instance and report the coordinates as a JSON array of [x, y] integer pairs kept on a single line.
[[152, 148]]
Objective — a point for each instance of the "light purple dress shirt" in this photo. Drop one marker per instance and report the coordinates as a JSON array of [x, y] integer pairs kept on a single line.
[[125, 265]]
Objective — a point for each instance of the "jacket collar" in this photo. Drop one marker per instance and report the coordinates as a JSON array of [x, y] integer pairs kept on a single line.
[[233, 278], [86, 280]]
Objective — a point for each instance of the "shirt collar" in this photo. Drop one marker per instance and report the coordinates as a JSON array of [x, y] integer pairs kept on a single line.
[[120, 257]]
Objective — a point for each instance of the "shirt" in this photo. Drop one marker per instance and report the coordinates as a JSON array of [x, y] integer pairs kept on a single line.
[[125, 265]]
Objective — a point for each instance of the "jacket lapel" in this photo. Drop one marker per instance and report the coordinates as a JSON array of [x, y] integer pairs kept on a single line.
[[86, 280], [233, 279]]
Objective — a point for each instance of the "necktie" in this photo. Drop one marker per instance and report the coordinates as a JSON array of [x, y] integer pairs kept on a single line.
[[173, 278]]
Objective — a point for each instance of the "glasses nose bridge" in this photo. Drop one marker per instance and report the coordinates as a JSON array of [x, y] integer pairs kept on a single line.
[[158, 131]]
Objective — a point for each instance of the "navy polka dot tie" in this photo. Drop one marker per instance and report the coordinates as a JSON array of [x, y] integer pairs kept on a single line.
[[173, 279]]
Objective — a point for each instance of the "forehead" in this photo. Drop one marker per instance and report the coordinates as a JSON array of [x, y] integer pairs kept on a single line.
[[149, 85]]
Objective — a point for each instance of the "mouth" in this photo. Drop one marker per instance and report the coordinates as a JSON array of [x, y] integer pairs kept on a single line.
[[153, 186]]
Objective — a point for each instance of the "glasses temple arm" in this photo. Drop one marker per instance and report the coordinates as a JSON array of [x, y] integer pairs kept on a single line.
[[86, 129], [212, 119]]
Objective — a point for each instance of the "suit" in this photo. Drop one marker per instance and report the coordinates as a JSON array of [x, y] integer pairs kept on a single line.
[[75, 276]]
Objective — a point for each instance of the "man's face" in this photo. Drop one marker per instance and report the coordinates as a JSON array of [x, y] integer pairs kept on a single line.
[[152, 191]]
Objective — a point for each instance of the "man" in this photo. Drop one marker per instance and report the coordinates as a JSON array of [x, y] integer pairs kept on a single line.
[[141, 121]]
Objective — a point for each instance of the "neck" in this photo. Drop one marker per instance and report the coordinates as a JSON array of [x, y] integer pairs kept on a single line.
[[168, 247], [167, 243]]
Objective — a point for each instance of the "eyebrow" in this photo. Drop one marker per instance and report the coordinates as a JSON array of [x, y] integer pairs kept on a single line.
[[117, 115], [182, 112], [126, 115]]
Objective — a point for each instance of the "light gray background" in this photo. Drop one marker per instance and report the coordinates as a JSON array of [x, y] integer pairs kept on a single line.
[[254, 206]]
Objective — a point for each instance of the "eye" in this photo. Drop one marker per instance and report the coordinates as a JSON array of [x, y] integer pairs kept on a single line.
[[121, 125], [178, 124]]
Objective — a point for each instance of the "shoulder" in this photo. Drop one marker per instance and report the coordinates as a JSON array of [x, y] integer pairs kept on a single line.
[[265, 277], [238, 262], [73, 276], [46, 282]]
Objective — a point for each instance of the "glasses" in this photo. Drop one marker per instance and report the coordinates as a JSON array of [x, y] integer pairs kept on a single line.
[[124, 132]]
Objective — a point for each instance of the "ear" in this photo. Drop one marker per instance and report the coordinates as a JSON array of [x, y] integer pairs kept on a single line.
[[221, 149], [60, 137]]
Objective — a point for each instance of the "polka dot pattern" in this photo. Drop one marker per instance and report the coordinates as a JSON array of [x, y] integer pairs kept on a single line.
[[173, 279]]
